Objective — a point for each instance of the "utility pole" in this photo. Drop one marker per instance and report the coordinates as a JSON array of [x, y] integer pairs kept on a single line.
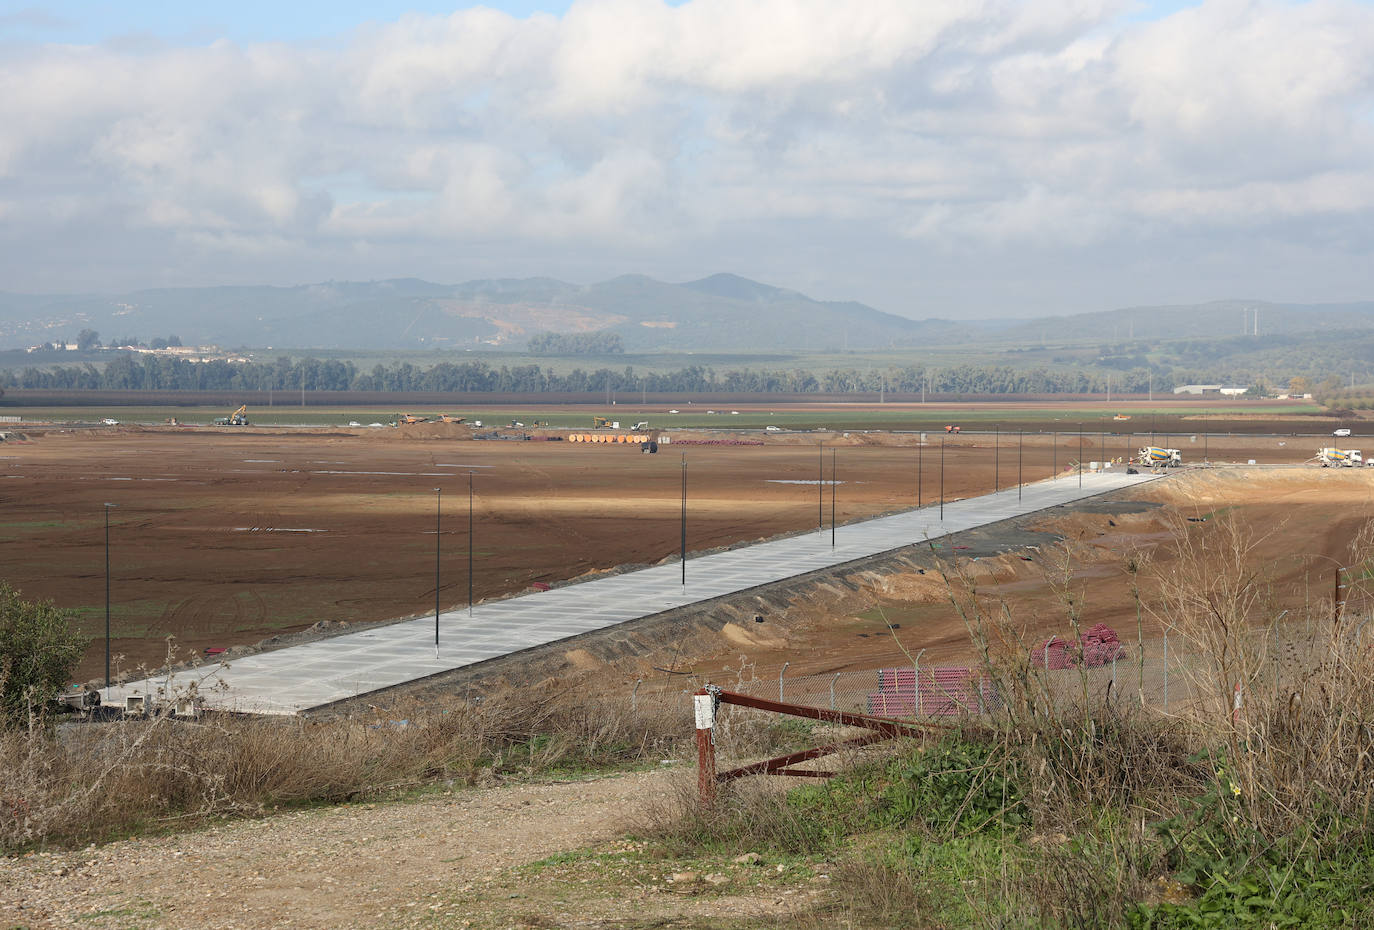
[[438, 512], [684, 519]]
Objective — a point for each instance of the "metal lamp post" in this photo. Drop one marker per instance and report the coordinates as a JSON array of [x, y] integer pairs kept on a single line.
[[438, 511], [684, 519], [471, 544], [107, 595]]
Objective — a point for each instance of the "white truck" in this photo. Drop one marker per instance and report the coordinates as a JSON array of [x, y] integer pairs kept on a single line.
[[1157, 457], [1339, 458]]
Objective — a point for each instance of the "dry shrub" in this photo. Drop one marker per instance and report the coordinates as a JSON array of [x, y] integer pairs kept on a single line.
[[1287, 727], [94, 780], [878, 892], [748, 815]]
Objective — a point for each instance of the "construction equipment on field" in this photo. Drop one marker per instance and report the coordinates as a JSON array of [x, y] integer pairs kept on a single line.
[[604, 423], [1339, 458], [409, 419], [951, 428], [450, 418], [1157, 457], [238, 418]]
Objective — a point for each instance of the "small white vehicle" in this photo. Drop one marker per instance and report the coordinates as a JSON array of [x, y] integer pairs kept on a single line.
[[772, 429], [1343, 431], [110, 421]]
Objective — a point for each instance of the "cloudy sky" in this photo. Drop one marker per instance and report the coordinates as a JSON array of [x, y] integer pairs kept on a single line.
[[930, 157]]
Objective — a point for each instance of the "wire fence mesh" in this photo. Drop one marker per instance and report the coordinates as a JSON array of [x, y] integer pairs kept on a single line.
[[1171, 674]]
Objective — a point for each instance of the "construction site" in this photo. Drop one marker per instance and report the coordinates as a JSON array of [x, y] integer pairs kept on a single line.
[[222, 539]]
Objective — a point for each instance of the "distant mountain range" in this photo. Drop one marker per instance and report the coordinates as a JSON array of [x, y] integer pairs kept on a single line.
[[721, 313]]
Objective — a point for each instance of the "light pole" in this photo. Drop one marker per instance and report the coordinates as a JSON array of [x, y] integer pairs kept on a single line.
[[920, 461], [107, 595], [438, 511], [996, 457], [1080, 455], [1020, 441], [820, 487], [832, 498], [471, 544], [942, 479], [684, 519]]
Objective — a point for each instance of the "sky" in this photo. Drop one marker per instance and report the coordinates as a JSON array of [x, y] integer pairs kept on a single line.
[[942, 158]]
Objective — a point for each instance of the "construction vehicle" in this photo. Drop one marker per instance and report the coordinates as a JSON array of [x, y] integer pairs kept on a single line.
[[408, 419], [450, 418], [238, 418], [1156, 457], [604, 423], [1339, 458], [951, 429], [642, 424]]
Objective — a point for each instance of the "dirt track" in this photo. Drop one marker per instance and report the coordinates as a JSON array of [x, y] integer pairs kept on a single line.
[[226, 537], [452, 860]]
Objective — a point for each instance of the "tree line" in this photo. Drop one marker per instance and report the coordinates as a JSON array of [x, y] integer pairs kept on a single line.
[[162, 373]]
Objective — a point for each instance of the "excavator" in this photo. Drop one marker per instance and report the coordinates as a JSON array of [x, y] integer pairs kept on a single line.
[[238, 418]]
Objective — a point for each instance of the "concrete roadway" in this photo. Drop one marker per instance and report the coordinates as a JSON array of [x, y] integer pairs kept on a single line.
[[297, 678]]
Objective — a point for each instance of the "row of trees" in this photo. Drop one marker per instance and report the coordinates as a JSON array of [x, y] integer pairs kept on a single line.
[[89, 339], [159, 373], [597, 343]]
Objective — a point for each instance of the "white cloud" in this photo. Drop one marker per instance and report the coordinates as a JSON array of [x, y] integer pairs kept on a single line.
[[633, 128]]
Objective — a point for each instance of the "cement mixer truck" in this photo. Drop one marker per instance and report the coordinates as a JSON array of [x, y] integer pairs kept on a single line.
[[1156, 457], [1339, 458]]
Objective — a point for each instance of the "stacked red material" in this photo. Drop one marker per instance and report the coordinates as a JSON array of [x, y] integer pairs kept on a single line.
[[1097, 646], [940, 691]]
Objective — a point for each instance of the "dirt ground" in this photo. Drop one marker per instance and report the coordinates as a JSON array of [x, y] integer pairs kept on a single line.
[[524, 855], [1296, 528], [225, 537]]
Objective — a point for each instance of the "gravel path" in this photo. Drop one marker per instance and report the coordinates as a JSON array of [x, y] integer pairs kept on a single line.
[[361, 865]]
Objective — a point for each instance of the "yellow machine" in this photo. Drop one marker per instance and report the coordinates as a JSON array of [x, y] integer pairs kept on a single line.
[[449, 418], [600, 423], [409, 418], [238, 418]]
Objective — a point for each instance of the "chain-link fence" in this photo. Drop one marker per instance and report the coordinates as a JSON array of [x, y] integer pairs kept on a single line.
[[1174, 674]]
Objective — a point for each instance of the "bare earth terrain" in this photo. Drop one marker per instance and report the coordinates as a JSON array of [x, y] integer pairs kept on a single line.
[[457, 859], [220, 537]]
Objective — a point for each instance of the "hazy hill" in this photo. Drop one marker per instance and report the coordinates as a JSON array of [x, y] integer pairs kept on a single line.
[[723, 312], [720, 313], [1219, 319]]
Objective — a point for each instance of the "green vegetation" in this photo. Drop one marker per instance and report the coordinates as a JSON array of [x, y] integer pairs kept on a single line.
[[1075, 807], [597, 343], [1009, 416], [39, 651]]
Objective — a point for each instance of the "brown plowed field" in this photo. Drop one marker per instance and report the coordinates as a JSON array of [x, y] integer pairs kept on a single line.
[[223, 537]]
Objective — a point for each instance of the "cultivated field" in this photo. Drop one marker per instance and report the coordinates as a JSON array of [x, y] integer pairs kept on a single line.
[[224, 536]]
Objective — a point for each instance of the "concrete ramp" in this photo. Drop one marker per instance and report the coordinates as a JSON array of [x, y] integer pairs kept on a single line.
[[297, 678]]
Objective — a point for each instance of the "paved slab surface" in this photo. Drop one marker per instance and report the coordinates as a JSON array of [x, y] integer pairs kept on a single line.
[[297, 678]]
